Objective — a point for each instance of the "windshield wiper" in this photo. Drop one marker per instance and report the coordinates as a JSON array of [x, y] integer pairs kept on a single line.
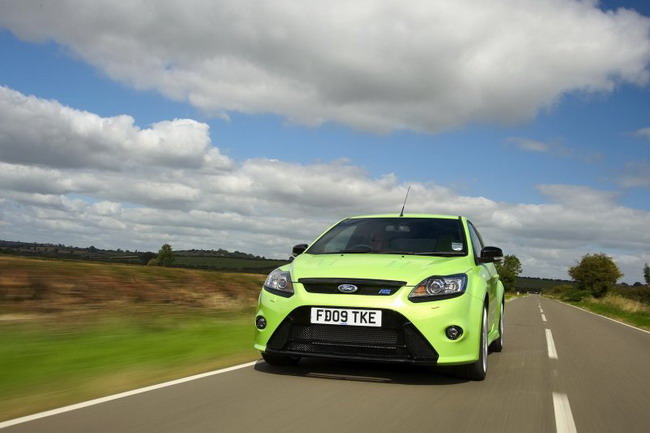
[[404, 253], [426, 253]]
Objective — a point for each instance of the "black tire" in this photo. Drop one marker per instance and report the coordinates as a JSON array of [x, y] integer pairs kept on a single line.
[[277, 359], [497, 345], [478, 370]]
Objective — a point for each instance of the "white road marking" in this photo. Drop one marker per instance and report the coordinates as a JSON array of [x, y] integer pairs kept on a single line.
[[543, 318], [552, 353], [563, 417], [120, 395]]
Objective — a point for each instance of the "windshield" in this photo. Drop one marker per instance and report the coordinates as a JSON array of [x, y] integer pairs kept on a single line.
[[419, 236]]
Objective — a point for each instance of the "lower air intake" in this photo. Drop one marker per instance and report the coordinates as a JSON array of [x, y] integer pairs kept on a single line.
[[396, 341]]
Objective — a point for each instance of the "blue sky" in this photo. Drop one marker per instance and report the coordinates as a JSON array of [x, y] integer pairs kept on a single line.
[[554, 129], [596, 130]]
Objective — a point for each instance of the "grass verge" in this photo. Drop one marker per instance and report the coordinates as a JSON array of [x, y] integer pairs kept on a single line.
[[511, 295], [617, 307], [52, 362]]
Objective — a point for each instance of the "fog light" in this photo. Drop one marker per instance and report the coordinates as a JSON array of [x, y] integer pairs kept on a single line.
[[260, 322], [454, 332]]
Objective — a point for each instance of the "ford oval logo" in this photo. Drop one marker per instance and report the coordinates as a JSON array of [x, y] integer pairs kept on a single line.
[[348, 288]]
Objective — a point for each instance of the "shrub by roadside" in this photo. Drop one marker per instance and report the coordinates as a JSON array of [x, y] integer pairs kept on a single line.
[[636, 293], [623, 304], [574, 294], [612, 305]]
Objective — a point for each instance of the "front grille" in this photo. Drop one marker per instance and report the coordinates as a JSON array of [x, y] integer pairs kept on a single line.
[[364, 286], [397, 340], [345, 334]]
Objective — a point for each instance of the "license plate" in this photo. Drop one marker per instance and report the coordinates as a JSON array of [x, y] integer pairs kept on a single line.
[[344, 316]]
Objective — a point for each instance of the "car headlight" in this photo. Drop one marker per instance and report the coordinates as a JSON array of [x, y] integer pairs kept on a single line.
[[439, 288], [279, 283]]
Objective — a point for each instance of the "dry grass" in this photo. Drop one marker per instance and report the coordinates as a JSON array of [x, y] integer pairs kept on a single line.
[[29, 285], [621, 303]]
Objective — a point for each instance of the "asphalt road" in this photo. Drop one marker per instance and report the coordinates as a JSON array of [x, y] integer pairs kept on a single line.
[[594, 378]]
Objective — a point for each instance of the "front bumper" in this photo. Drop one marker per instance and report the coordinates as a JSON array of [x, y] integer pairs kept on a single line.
[[397, 340], [410, 332]]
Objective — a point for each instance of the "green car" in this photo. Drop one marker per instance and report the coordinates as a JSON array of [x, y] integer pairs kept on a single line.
[[419, 289]]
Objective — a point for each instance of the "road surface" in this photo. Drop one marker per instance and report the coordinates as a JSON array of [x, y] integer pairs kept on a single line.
[[562, 370]]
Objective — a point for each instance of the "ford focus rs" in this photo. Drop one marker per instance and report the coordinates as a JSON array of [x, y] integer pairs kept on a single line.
[[420, 289]]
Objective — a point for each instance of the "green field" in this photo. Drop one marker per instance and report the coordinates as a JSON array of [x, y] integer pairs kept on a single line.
[[49, 362], [72, 331]]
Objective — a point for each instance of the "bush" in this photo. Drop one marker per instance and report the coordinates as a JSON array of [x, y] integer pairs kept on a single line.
[[636, 293], [559, 289], [574, 294], [623, 304]]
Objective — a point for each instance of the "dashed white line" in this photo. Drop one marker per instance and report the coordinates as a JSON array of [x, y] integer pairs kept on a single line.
[[120, 395], [563, 418], [552, 353], [543, 317]]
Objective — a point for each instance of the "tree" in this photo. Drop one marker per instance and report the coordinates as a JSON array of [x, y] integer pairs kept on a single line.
[[166, 255], [145, 258], [597, 273], [508, 271], [646, 273]]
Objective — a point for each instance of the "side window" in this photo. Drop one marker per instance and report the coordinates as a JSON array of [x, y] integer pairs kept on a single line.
[[477, 242]]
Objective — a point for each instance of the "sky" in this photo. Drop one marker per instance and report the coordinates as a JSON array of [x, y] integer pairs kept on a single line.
[[253, 126]]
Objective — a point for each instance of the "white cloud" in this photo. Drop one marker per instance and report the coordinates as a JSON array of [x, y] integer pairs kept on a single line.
[[554, 147], [155, 193], [636, 174], [35, 131], [643, 132], [380, 66]]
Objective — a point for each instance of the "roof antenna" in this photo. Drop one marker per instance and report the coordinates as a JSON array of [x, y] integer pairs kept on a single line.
[[405, 198]]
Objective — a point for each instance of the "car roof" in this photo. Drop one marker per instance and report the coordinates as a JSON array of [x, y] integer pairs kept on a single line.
[[406, 216]]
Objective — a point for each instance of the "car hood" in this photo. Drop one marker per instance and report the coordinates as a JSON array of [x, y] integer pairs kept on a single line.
[[412, 269]]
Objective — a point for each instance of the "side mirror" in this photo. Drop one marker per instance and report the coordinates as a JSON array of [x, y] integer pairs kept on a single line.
[[297, 250], [490, 255]]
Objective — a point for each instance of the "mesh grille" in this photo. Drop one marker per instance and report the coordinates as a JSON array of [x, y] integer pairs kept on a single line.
[[396, 340], [345, 334]]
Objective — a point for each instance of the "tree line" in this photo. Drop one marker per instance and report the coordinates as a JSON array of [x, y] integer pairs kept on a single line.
[[594, 274]]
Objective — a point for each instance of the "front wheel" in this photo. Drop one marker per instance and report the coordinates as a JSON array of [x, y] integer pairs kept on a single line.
[[497, 345], [478, 370]]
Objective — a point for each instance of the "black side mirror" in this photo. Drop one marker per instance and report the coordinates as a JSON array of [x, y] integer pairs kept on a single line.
[[490, 255], [297, 250]]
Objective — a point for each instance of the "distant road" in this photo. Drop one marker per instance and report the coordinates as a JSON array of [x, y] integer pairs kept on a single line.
[[562, 370]]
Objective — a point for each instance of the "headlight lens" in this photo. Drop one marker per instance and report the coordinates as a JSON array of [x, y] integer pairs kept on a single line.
[[439, 287], [279, 282]]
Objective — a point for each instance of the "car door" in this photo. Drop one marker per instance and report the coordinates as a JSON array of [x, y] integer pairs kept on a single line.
[[487, 272]]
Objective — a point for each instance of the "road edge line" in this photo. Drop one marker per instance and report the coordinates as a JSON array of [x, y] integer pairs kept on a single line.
[[72, 407], [604, 317]]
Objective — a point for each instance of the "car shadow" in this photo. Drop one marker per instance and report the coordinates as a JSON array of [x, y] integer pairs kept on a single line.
[[402, 374]]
